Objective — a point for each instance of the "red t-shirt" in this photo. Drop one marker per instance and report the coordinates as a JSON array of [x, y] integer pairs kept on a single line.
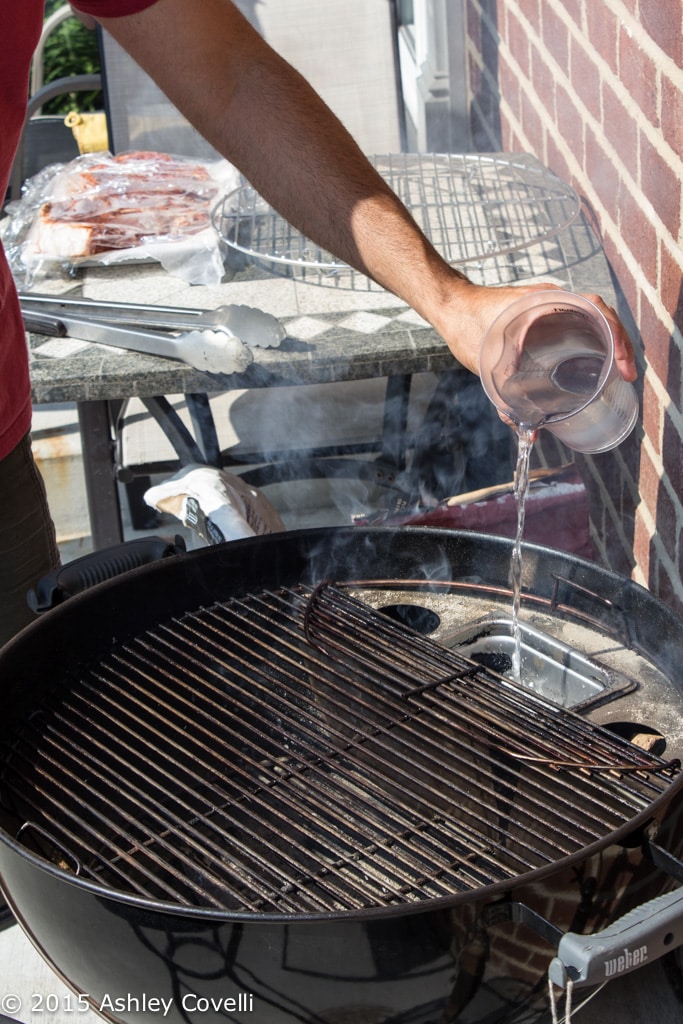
[[20, 26]]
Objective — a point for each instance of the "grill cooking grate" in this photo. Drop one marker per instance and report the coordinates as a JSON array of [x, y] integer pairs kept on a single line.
[[295, 751], [471, 206]]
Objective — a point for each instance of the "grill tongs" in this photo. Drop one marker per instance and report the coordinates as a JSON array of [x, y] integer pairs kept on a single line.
[[215, 341]]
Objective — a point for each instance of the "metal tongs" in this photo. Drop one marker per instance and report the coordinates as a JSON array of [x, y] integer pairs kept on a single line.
[[209, 340]]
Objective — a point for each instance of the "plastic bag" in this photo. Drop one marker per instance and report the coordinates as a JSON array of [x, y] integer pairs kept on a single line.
[[109, 209]]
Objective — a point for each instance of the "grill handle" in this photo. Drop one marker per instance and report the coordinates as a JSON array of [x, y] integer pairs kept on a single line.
[[639, 937], [83, 573]]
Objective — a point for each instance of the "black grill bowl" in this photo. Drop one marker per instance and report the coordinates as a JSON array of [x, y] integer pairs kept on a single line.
[[469, 956]]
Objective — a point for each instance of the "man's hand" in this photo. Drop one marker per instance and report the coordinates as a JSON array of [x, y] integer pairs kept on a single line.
[[471, 309]]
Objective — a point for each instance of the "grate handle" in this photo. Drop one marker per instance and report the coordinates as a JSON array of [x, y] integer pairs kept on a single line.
[[639, 937], [33, 826], [620, 630]]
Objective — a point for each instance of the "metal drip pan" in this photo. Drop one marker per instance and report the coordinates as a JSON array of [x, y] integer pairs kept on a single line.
[[549, 667]]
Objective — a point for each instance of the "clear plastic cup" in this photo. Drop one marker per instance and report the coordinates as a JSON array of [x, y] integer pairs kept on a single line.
[[548, 361]]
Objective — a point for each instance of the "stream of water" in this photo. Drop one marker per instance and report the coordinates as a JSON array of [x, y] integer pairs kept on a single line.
[[526, 442]]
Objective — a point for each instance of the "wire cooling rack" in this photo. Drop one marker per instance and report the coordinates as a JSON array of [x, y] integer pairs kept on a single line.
[[471, 206]]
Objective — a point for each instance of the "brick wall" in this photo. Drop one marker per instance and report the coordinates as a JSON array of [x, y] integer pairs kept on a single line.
[[594, 88]]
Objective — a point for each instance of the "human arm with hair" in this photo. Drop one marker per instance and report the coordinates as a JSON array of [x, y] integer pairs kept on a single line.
[[268, 121]]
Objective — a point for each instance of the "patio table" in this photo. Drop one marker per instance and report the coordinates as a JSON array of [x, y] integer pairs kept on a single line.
[[340, 327]]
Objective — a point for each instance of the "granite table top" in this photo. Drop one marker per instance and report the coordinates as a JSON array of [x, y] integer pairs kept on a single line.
[[339, 327]]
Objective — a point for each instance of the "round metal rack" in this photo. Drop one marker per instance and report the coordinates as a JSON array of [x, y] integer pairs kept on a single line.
[[471, 206]]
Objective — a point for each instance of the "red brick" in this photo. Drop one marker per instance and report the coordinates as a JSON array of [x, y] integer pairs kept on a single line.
[[555, 37], [509, 89], [531, 10], [602, 32], [639, 74], [641, 547], [569, 121], [620, 129], [517, 38], [651, 414], [661, 185], [649, 483], [544, 80], [585, 78], [665, 588], [473, 21], [662, 352], [672, 454], [672, 114], [555, 158], [514, 143], [602, 173], [573, 9], [671, 283], [629, 453], [531, 123], [663, 22], [667, 518], [606, 182], [626, 282], [638, 233], [573, 140], [474, 76], [674, 384]]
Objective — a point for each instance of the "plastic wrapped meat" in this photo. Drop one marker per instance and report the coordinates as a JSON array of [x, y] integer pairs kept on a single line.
[[122, 202], [134, 207]]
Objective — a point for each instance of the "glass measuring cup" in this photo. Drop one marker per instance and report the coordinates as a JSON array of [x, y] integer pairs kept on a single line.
[[548, 361]]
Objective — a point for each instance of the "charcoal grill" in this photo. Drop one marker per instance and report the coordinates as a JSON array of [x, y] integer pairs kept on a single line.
[[252, 763]]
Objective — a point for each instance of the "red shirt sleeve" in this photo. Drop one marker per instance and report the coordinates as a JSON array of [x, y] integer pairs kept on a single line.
[[111, 8]]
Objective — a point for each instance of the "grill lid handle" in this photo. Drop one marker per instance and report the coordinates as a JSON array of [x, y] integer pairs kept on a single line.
[[639, 937], [74, 577]]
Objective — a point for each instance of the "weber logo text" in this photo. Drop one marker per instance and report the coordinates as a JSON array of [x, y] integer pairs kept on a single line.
[[629, 959]]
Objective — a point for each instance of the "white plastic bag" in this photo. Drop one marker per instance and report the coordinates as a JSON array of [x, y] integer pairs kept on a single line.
[[216, 505]]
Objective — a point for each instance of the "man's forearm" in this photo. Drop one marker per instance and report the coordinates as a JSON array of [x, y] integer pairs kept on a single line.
[[267, 120]]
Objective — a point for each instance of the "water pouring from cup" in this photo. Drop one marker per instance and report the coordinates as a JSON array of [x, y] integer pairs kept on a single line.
[[548, 361]]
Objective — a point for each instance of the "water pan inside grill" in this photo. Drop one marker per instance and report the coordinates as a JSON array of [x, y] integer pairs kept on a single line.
[[549, 667]]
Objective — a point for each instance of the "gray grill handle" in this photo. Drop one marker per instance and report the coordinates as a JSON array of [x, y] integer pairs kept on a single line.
[[639, 937]]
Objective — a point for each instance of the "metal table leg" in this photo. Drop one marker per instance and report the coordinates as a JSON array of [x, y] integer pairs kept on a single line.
[[205, 428], [100, 478], [395, 428]]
